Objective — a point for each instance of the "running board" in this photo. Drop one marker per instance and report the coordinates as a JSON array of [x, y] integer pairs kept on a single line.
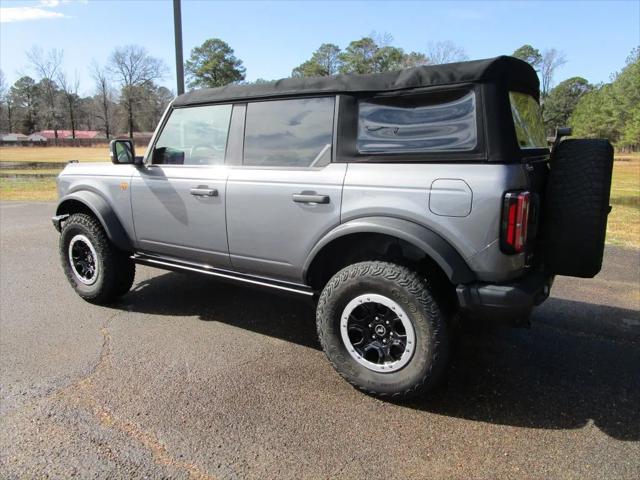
[[171, 264]]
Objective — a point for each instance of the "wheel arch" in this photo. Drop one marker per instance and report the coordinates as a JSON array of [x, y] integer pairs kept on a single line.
[[86, 201], [386, 229]]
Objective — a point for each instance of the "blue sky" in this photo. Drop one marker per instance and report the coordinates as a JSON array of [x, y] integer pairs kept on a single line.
[[274, 37]]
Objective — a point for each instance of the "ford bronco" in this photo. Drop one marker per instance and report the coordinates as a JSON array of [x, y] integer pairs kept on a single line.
[[397, 202]]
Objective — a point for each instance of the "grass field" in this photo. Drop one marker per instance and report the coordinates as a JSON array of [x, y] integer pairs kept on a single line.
[[54, 154], [623, 228]]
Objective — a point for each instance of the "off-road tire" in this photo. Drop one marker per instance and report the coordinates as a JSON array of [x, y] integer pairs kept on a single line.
[[576, 207], [115, 272], [408, 290]]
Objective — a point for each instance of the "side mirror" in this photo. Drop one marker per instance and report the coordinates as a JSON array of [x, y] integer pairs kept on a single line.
[[122, 152]]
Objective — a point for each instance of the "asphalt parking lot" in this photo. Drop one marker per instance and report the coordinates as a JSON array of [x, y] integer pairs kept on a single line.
[[189, 378]]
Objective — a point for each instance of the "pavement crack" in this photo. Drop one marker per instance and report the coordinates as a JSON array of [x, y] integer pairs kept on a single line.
[[81, 394], [159, 452], [105, 351]]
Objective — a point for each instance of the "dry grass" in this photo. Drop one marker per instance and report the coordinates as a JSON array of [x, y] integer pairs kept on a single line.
[[32, 171], [54, 154], [623, 227], [28, 189], [624, 221], [58, 154]]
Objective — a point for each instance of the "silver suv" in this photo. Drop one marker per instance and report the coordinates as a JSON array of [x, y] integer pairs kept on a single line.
[[397, 202]]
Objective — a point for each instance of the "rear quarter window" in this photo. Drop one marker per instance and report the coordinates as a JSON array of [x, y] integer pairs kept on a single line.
[[436, 122]]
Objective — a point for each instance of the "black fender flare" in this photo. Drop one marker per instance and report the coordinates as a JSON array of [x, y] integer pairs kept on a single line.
[[102, 211], [432, 244]]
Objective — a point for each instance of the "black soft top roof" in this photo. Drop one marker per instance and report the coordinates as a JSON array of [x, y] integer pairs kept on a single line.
[[509, 72]]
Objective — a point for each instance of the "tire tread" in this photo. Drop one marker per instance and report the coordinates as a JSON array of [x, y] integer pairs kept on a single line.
[[416, 286], [118, 269]]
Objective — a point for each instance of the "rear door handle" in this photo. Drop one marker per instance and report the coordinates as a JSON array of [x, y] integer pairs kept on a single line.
[[204, 192], [310, 198]]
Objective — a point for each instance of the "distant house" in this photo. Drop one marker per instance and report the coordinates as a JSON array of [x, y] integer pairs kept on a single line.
[[14, 137], [49, 134], [36, 137]]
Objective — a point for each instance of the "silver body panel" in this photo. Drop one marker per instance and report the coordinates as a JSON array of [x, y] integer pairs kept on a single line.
[[105, 179], [169, 220], [254, 226], [270, 233], [404, 191]]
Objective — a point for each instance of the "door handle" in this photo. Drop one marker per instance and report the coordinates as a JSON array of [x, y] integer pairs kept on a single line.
[[204, 192], [310, 198]]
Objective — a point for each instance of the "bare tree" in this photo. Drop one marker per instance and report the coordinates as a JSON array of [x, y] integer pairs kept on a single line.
[[134, 68], [384, 39], [104, 94], [70, 93], [47, 67], [445, 52], [551, 60], [3, 85]]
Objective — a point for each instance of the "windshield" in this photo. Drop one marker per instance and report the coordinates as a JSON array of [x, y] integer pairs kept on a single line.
[[527, 118]]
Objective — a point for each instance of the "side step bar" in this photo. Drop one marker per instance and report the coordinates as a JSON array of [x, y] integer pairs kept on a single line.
[[228, 275]]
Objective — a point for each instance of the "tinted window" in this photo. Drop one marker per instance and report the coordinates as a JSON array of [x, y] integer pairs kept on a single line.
[[194, 136], [425, 123], [527, 118], [289, 132]]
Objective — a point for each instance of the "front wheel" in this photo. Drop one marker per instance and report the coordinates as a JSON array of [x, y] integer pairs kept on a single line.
[[382, 330], [95, 268]]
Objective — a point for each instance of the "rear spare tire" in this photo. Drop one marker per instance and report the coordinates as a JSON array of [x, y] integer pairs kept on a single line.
[[576, 207]]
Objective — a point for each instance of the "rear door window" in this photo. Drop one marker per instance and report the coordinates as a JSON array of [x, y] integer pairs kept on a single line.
[[527, 119], [289, 133], [435, 122], [194, 136]]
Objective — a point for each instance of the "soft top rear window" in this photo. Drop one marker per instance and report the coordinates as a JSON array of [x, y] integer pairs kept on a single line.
[[527, 118], [436, 122]]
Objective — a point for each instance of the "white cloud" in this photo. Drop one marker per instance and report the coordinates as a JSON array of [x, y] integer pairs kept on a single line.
[[49, 3], [23, 14]]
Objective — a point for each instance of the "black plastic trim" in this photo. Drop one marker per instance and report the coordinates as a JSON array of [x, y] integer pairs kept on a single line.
[[103, 211], [511, 301], [57, 221]]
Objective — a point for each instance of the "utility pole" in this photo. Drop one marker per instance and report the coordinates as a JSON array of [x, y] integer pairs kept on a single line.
[[177, 28]]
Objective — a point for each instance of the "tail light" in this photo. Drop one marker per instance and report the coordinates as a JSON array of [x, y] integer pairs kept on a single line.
[[515, 218]]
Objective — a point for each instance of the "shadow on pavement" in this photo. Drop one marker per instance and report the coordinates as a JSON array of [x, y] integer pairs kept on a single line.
[[564, 373]]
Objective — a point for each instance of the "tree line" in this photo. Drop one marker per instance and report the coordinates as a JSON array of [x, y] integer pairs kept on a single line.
[[126, 95], [605, 110]]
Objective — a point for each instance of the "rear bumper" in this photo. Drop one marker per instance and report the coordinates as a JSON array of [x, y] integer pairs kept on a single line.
[[511, 302]]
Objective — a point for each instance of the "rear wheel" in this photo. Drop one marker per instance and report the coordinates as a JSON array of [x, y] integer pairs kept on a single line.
[[382, 330], [96, 269]]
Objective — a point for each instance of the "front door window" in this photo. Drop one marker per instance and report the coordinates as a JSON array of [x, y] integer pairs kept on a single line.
[[194, 136]]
